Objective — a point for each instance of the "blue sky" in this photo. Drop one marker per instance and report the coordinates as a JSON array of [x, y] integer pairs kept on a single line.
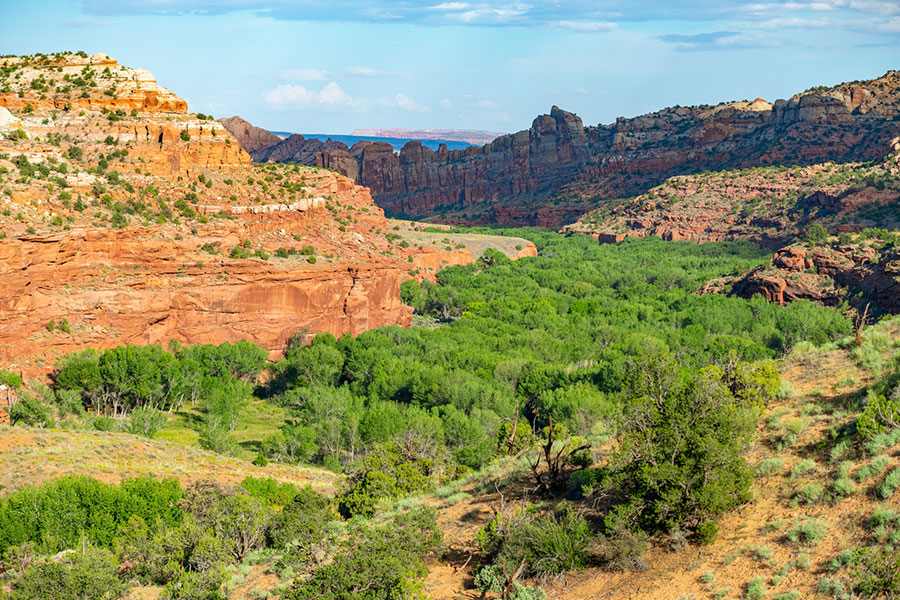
[[329, 67]]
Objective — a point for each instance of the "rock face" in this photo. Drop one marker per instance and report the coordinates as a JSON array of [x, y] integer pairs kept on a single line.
[[250, 137], [144, 291], [857, 272], [517, 178]]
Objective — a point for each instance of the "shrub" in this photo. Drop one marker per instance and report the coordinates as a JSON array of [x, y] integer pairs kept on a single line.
[[769, 466], [873, 469], [193, 585], [881, 413], [707, 532], [622, 548], [185, 136], [808, 533], [376, 561], [235, 517], [491, 578], [550, 545], [882, 517], [87, 574], [146, 421], [811, 493], [385, 473], [756, 589], [302, 525], [843, 487], [876, 573], [803, 467], [890, 484], [681, 442]]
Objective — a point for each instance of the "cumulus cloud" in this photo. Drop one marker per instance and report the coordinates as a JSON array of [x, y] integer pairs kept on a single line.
[[446, 103], [297, 97]]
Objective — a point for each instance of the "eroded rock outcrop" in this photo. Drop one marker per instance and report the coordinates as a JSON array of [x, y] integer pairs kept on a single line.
[[857, 271], [250, 137]]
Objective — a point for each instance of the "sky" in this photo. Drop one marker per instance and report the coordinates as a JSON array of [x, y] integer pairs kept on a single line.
[[331, 66]]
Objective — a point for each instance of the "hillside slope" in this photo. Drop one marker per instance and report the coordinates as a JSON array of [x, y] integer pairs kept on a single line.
[[799, 455], [127, 220], [767, 205]]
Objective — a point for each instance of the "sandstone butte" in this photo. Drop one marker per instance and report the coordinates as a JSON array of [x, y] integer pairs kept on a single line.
[[559, 169], [124, 219]]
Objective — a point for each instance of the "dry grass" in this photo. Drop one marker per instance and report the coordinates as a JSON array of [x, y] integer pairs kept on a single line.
[[31, 456]]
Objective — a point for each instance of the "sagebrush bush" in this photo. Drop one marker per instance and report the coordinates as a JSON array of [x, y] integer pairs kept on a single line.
[[842, 487], [890, 484], [549, 545], [376, 561], [769, 466], [756, 589], [808, 533]]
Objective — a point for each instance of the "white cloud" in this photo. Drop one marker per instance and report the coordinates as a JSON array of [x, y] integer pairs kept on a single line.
[[486, 14], [330, 97], [789, 22], [581, 90], [364, 71], [486, 104], [446, 103], [304, 74], [877, 7], [404, 102], [407, 103], [451, 6], [586, 26]]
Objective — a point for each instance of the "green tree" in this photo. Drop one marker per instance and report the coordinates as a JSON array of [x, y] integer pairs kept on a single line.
[[681, 442]]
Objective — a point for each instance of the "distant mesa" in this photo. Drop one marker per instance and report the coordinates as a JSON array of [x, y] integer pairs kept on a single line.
[[474, 137]]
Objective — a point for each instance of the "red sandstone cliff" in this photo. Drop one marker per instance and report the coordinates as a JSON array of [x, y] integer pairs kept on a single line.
[[125, 219]]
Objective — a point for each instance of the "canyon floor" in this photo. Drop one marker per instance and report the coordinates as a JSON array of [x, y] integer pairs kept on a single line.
[[793, 450]]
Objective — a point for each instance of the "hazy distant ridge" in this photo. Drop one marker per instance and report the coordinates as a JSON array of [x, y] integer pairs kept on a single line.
[[456, 135]]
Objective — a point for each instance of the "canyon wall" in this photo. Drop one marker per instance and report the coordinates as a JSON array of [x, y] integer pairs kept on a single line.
[[556, 170]]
